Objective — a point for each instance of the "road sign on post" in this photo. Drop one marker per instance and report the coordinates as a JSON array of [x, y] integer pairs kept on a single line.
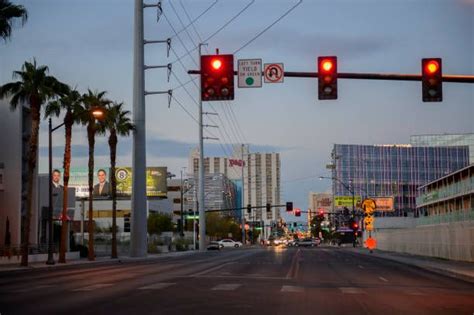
[[273, 72], [250, 73]]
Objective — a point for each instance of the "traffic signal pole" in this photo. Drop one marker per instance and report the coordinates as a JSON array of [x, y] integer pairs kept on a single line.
[[202, 213], [372, 76]]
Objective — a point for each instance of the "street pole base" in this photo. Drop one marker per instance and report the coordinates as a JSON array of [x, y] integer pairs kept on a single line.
[[50, 261]]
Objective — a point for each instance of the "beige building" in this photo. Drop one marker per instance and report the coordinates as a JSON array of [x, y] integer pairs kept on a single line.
[[261, 172]]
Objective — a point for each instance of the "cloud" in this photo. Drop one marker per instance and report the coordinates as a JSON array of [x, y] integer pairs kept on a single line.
[[163, 148]]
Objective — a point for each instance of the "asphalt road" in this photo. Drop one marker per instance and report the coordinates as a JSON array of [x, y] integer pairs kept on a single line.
[[321, 280]]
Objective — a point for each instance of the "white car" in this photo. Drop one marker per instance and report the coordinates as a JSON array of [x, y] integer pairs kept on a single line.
[[227, 242]]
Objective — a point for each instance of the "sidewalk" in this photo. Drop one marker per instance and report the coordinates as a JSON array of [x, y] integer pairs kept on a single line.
[[451, 268], [8, 268]]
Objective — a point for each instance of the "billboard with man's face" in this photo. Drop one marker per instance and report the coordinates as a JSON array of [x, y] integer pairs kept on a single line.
[[102, 189]]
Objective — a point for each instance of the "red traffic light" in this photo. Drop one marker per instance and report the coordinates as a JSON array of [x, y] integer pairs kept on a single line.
[[217, 77], [432, 80], [327, 65], [432, 66], [321, 212], [297, 212], [216, 64], [327, 78], [355, 226]]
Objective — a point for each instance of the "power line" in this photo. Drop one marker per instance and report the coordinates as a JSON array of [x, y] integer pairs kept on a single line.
[[195, 19], [233, 122], [218, 30], [268, 27]]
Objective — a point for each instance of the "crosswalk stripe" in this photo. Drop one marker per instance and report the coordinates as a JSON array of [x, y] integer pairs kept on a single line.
[[156, 286], [383, 279], [94, 287], [291, 288], [226, 287], [351, 290]]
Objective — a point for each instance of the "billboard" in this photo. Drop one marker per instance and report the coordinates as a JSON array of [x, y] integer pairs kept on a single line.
[[346, 201], [155, 182], [383, 203]]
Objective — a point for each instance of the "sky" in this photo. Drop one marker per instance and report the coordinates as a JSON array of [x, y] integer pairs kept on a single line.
[[89, 44]]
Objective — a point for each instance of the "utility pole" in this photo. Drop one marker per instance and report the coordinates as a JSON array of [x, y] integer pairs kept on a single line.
[[181, 212], [242, 213], [138, 235], [202, 206]]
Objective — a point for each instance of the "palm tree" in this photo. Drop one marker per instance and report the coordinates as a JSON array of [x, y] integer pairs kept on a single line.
[[93, 102], [71, 102], [117, 123], [8, 13], [35, 88]]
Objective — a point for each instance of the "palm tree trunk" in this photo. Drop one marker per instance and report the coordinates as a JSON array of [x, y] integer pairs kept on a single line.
[[66, 164], [32, 156], [113, 157], [91, 139]]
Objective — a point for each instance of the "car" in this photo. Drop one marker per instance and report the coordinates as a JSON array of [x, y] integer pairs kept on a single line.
[[227, 242], [214, 246], [308, 242]]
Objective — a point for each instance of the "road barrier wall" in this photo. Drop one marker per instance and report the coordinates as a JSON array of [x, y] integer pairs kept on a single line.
[[454, 241]]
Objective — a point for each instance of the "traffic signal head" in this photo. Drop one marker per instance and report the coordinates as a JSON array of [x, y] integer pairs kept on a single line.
[[297, 212], [217, 77], [432, 80], [327, 78], [289, 206], [269, 207], [249, 209]]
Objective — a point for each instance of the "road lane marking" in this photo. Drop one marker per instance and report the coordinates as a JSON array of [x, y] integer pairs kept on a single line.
[[292, 288], [157, 286], [383, 279], [94, 287], [38, 287], [351, 290], [361, 267], [294, 267], [226, 287], [414, 292], [211, 269]]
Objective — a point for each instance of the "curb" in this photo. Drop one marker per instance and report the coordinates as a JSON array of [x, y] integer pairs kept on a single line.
[[440, 271], [85, 263]]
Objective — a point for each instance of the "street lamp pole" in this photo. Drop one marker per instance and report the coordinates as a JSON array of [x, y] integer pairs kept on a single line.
[[50, 260]]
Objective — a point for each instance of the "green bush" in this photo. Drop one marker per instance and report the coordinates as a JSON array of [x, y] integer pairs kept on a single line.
[[181, 244]]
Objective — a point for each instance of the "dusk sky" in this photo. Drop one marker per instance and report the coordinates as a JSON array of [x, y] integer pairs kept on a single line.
[[88, 44]]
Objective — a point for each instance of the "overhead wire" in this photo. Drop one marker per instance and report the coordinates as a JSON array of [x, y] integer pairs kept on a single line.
[[217, 31], [268, 27], [184, 68], [195, 19], [233, 122]]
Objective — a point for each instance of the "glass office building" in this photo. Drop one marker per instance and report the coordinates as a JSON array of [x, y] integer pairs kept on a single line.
[[393, 170], [445, 140]]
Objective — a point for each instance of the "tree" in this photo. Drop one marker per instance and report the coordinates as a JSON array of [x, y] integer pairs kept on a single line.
[[159, 222], [9, 13], [71, 103], [35, 88], [93, 102], [219, 226], [117, 123]]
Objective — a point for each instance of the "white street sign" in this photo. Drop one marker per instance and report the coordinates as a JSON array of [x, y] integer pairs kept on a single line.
[[250, 73], [273, 72]]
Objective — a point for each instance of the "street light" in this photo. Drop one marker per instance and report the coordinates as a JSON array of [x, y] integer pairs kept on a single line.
[[97, 113]]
